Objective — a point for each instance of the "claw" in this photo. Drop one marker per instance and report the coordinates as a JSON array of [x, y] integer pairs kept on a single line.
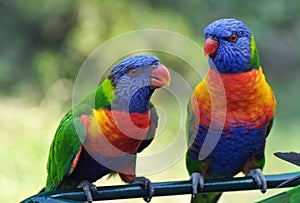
[[146, 184], [259, 178], [88, 188], [197, 179]]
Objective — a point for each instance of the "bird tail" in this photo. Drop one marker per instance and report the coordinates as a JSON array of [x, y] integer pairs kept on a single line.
[[206, 198]]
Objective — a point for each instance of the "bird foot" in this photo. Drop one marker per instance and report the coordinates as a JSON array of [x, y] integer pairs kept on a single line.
[[197, 180], [88, 188], [259, 178], [146, 184]]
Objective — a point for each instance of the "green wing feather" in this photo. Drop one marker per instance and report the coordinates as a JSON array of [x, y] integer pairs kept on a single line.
[[64, 148], [71, 132]]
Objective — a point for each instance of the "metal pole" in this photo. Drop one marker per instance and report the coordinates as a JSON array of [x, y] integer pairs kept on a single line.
[[161, 189]]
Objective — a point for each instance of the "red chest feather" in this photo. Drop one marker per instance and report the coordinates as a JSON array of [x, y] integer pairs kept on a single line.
[[114, 133]]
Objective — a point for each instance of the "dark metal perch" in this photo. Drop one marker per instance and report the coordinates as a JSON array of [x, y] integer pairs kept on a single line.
[[161, 189]]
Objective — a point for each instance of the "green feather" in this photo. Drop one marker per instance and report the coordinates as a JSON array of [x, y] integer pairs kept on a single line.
[[194, 165], [71, 133], [106, 93], [260, 163], [206, 198], [254, 60], [65, 146]]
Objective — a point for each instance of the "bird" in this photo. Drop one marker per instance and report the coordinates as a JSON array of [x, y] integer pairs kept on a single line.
[[231, 111], [103, 133], [292, 195]]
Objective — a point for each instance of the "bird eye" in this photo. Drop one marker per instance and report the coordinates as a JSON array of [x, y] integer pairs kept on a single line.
[[233, 38], [133, 72], [214, 37], [155, 64]]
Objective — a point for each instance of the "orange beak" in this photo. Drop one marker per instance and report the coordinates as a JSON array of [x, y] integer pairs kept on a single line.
[[160, 76], [210, 47]]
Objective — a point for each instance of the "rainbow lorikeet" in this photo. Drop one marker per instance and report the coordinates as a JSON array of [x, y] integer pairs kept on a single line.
[[231, 111], [102, 134], [292, 195]]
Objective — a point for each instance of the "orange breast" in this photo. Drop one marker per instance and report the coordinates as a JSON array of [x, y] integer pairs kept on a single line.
[[114, 133], [241, 98]]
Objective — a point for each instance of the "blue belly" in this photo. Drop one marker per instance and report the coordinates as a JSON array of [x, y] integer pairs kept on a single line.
[[88, 168], [235, 147]]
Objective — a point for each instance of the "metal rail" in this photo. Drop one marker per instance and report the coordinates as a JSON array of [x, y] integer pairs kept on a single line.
[[161, 189]]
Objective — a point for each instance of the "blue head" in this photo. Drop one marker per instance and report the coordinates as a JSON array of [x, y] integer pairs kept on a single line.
[[135, 79], [230, 46]]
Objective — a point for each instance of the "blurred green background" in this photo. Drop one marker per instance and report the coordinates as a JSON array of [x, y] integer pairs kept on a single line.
[[44, 43]]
